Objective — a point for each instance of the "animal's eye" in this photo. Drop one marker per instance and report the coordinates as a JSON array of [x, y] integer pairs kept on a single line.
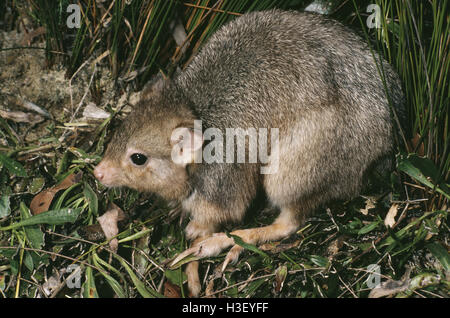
[[138, 159]]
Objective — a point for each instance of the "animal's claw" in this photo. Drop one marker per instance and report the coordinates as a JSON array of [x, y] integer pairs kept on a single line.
[[186, 253], [232, 256]]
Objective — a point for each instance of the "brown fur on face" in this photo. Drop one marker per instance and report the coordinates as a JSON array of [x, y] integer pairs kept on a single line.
[[147, 131]]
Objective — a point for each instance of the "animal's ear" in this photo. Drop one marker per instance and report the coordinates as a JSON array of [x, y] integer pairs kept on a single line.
[[186, 145]]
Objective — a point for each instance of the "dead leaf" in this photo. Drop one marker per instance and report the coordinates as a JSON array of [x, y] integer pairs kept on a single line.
[[95, 233], [91, 111], [389, 221], [414, 143], [370, 204], [335, 246], [108, 222], [41, 202], [171, 290], [391, 287], [33, 107], [280, 276], [70, 180], [21, 117]]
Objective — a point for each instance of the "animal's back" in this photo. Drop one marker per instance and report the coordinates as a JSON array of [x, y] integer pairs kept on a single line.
[[268, 67]]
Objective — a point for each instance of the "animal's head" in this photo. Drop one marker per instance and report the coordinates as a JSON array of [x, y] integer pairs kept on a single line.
[[150, 150]]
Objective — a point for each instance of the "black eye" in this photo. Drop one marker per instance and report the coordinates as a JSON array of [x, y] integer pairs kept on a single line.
[[138, 159]]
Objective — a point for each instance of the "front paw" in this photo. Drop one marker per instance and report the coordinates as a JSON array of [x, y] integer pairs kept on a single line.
[[211, 246], [196, 229]]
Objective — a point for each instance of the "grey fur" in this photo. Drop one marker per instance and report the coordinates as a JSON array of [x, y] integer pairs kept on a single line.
[[314, 79]]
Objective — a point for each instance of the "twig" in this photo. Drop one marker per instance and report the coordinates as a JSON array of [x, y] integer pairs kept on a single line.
[[32, 106], [208, 8], [332, 218], [432, 294], [348, 288], [51, 253], [150, 259], [37, 149], [138, 45], [35, 284], [30, 47], [72, 238], [70, 82], [415, 185], [416, 201]]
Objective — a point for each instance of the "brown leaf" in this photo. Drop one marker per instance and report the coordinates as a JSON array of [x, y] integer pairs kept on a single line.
[[121, 215], [171, 290], [108, 222], [95, 233], [389, 221], [414, 143], [70, 180], [41, 202]]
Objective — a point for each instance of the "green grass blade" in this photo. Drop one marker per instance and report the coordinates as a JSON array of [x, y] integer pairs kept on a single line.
[[53, 217]]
